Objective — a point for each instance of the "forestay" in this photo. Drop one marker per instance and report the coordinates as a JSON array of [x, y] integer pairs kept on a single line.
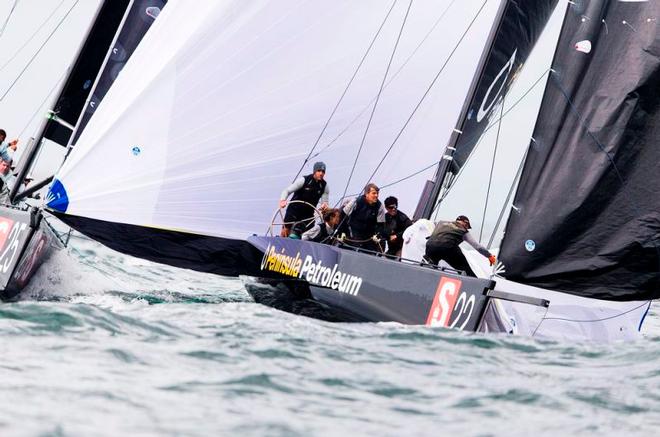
[[223, 100]]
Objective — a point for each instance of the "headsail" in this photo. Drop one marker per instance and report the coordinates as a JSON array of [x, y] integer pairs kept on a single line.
[[222, 101], [586, 217]]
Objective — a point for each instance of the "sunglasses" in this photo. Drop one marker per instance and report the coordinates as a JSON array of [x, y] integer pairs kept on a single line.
[[392, 207]]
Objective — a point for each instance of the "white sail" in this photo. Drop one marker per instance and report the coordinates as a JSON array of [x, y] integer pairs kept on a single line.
[[223, 100]]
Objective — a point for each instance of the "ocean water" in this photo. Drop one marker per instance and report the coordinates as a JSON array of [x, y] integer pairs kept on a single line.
[[104, 344]]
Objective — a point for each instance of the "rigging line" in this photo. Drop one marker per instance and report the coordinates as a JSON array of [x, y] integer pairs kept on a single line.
[[380, 91], [414, 111], [394, 76], [41, 105], [564, 319], [11, 11], [508, 197], [327, 123], [469, 138], [12, 57], [38, 51], [589, 133], [404, 178], [492, 168], [486, 130]]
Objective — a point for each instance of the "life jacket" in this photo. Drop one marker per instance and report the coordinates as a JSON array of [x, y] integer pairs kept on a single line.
[[323, 234], [448, 234], [363, 220], [311, 191]]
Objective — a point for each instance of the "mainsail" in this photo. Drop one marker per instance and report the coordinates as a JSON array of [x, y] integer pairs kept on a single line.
[[585, 218], [222, 101]]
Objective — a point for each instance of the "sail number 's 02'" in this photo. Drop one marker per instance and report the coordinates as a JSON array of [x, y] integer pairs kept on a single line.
[[452, 308]]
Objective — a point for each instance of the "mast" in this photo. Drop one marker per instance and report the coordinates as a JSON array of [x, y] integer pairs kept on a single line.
[[429, 197], [517, 28], [72, 93]]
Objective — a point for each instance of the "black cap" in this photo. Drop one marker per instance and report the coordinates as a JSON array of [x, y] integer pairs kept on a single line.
[[319, 166], [464, 219]]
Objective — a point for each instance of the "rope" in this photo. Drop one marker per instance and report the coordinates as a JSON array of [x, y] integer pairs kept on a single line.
[[414, 111], [394, 76], [609, 156], [11, 11], [380, 91], [38, 51], [364, 57], [41, 105], [508, 197], [492, 169], [470, 137], [20, 49]]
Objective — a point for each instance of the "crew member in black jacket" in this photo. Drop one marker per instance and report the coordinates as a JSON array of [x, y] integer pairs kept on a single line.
[[395, 223], [299, 217], [364, 220]]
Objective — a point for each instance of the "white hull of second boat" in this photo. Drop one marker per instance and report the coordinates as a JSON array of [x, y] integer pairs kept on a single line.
[[567, 317]]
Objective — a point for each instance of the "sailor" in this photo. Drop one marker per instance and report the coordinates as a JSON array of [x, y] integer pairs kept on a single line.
[[395, 223], [310, 189], [364, 220], [7, 180], [322, 232], [444, 240], [7, 149]]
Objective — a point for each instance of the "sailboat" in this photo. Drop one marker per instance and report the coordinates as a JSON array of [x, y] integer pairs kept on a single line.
[[27, 235], [221, 103]]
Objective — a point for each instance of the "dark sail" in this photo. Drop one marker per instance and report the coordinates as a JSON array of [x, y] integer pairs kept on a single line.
[[87, 65], [519, 29], [586, 216], [140, 17]]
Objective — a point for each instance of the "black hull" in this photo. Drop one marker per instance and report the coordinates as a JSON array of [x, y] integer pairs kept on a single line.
[[349, 285], [26, 241], [357, 286], [203, 253]]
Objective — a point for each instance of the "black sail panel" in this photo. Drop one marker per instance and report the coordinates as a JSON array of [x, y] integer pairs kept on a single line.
[[519, 29], [586, 217], [139, 19], [87, 65]]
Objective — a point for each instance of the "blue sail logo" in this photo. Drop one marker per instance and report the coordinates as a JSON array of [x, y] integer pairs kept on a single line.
[[57, 198]]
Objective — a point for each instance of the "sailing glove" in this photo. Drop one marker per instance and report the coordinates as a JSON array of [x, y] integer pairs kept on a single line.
[[492, 260]]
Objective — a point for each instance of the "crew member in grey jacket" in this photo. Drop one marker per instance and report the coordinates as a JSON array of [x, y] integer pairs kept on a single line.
[[445, 239]]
